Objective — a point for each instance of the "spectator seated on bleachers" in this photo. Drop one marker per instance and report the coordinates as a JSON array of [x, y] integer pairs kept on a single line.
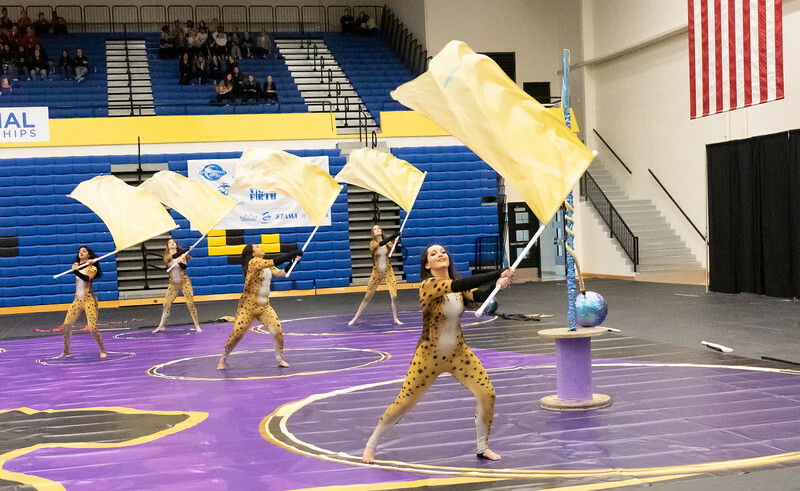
[[81, 64], [59, 24]]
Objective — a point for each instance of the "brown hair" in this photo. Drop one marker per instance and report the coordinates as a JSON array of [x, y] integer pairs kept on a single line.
[[425, 273]]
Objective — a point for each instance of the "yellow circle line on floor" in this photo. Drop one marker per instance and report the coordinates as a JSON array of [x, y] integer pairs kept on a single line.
[[154, 370], [278, 420]]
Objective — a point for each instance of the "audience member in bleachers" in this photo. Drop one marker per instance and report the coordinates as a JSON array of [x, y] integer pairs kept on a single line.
[[28, 38], [348, 22], [175, 28], [166, 44], [81, 65], [263, 44], [248, 45], [365, 24], [252, 90], [181, 44], [38, 66], [5, 22], [65, 66], [59, 24], [382, 272], [235, 44], [225, 90], [230, 64], [84, 298], [201, 70], [14, 37], [23, 61], [220, 42], [7, 60], [178, 281], [24, 21], [185, 70], [42, 25], [199, 45], [270, 91], [238, 83], [5, 86], [215, 72]]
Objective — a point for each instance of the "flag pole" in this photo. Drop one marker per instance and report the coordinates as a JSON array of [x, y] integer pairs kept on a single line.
[[424, 174], [303, 249], [86, 265], [187, 252], [521, 255]]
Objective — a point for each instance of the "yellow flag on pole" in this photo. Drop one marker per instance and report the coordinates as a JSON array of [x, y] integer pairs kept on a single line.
[[469, 96], [132, 215], [281, 172], [202, 205], [384, 174]]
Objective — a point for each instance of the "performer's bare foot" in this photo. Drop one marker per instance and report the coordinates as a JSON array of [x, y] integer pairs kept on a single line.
[[283, 364], [488, 454], [397, 321], [369, 455], [352, 321], [159, 329], [223, 364], [103, 354], [63, 355], [197, 328]]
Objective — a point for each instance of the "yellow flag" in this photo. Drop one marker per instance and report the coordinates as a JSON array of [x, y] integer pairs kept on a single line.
[[131, 214], [469, 96], [384, 174], [203, 206], [281, 172]]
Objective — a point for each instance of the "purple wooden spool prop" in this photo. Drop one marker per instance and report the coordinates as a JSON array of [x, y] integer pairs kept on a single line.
[[574, 371]]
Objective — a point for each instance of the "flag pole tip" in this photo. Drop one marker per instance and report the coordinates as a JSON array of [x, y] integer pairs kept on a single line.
[[594, 152]]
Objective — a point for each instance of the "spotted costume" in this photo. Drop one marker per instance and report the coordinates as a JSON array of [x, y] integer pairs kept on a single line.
[[254, 302], [178, 281], [381, 273], [441, 348], [84, 300]]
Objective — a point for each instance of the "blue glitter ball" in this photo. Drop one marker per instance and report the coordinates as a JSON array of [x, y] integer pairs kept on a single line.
[[492, 307], [590, 309]]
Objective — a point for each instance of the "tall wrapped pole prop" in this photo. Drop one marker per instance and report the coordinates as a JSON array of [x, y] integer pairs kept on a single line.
[[569, 222]]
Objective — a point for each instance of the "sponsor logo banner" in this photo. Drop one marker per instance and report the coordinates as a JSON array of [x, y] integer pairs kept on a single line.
[[24, 124]]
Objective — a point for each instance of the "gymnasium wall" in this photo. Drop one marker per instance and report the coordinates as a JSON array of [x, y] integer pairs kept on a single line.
[[637, 94]]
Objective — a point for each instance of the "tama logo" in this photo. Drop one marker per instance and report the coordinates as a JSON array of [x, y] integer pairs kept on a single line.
[[213, 172], [286, 216]]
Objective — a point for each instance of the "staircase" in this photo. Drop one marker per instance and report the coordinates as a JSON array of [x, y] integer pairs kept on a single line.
[[323, 84], [128, 76], [661, 250], [140, 270], [365, 209]]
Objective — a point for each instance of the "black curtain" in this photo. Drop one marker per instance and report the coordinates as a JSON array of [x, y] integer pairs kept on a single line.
[[754, 215]]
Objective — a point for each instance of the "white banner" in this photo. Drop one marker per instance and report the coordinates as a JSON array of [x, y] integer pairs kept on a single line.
[[24, 124], [255, 208]]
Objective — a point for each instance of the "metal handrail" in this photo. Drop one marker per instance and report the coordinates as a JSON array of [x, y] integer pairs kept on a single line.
[[619, 229], [705, 239], [612, 151]]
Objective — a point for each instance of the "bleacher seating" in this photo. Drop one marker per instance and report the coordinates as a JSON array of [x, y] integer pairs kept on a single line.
[[172, 99], [50, 227], [372, 68], [67, 98]]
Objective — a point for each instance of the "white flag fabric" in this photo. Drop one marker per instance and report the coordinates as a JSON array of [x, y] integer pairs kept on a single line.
[[202, 205], [132, 215]]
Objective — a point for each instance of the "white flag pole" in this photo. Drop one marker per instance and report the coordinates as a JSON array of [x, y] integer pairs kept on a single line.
[[303, 249], [524, 252], [187, 252], [424, 174], [86, 265], [399, 233]]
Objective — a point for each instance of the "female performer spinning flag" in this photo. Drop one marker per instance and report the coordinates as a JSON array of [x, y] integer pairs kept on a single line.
[[441, 347], [175, 257], [381, 272], [84, 298], [254, 302]]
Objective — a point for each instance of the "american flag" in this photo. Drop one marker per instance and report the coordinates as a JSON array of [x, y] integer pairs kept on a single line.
[[735, 54]]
